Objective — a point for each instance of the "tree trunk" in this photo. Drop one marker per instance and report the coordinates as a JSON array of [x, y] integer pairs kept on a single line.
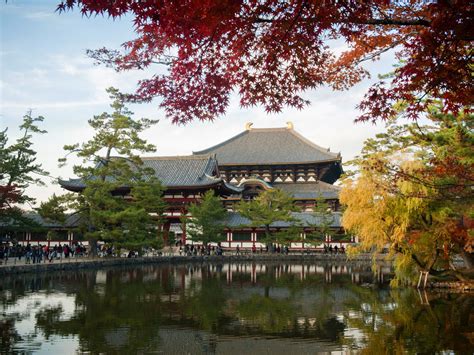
[[267, 232], [93, 247]]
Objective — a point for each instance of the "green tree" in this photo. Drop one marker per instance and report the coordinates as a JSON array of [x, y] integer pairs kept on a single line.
[[269, 207], [286, 236], [412, 192], [19, 170], [324, 220], [207, 219], [56, 207], [122, 200]]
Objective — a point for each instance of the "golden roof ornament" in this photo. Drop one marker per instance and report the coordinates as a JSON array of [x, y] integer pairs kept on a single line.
[[289, 125], [248, 126]]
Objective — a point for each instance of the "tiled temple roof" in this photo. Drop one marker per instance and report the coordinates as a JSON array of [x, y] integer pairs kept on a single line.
[[192, 170], [309, 190], [269, 146], [304, 219], [176, 171], [72, 221]]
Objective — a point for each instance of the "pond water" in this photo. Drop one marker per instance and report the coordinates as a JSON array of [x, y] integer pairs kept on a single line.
[[238, 308]]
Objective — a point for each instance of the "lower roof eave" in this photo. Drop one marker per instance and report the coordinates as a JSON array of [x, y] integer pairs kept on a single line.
[[337, 159]]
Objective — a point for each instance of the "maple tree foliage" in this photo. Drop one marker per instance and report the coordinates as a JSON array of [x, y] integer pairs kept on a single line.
[[413, 193], [271, 51]]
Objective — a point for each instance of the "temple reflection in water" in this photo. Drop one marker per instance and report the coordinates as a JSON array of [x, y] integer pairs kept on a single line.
[[207, 308]]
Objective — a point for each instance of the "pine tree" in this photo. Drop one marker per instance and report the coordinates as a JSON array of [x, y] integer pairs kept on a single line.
[[206, 222], [269, 207], [18, 171], [122, 201]]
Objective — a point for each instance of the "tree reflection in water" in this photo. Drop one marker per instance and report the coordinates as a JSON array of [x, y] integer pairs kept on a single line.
[[196, 307], [411, 321]]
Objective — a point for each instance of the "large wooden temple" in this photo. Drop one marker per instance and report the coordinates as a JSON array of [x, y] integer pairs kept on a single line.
[[241, 167], [259, 159], [281, 158]]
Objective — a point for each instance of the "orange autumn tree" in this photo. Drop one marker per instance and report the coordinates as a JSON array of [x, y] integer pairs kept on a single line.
[[269, 52], [413, 192]]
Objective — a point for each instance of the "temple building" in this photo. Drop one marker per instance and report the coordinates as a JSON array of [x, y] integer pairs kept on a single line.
[[241, 167], [264, 158], [259, 159], [185, 179]]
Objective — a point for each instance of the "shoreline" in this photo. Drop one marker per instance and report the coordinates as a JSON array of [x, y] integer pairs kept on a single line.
[[97, 263], [81, 264]]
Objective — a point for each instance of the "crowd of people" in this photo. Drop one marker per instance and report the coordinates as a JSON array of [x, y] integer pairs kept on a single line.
[[334, 250], [194, 250], [34, 254]]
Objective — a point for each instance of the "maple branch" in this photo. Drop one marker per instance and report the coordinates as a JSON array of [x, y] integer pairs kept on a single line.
[[380, 51], [110, 58], [375, 21], [295, 20], [394, 22]]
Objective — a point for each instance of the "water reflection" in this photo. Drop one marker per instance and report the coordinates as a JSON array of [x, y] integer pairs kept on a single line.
[[229, 308]]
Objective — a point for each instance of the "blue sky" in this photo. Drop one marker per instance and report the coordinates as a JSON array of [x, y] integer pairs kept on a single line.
[[44, 68]]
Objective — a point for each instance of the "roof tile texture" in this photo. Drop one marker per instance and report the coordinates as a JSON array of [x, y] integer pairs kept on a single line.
[[269, 146]]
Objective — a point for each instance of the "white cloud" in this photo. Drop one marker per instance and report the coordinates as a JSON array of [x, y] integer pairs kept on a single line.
[[39, 15], [51, 105]]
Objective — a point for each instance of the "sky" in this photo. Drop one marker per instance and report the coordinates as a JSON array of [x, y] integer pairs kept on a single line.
[[44, 67]]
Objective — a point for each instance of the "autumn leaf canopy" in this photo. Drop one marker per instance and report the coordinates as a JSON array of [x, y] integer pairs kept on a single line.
[[270, 52]]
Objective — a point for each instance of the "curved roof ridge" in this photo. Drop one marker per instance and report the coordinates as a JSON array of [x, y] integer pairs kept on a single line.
[[180, 157], [270, 129], [210, 165], [255, 179], [204, 151]]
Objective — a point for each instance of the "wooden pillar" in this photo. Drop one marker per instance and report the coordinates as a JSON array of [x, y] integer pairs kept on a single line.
[[184, 236], [229, 238], [183, 228], [70, 237]]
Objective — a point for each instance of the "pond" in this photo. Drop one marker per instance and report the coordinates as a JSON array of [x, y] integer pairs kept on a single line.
[[229, 308]]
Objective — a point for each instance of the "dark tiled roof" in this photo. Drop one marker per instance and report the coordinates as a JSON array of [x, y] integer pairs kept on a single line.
[[72, 221], [269, 146], [176, 171], [193, 170], [305, 219], [309, 190]]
